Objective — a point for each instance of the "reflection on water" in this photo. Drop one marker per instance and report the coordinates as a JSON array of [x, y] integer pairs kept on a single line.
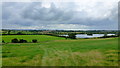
[[89, 36]]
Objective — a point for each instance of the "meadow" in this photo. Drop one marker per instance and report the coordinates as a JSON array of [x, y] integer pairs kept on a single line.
[[57, 51], [40, 38]]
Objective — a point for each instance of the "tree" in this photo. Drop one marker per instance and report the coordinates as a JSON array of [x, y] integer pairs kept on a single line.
[[90, 34], [72, 36], [66, 37], [15, 40], [3, 41], [9, 31], [105, 35], [34, 40], [22, 41], [19, 33]]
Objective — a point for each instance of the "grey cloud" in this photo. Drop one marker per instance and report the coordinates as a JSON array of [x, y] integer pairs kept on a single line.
[[46, 14], [35, 15]]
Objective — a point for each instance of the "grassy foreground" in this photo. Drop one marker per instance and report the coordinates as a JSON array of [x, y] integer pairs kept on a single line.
[[61, 52]]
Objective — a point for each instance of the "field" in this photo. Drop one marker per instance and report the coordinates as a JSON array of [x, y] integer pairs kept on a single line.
[[57, 51], [40, 38]]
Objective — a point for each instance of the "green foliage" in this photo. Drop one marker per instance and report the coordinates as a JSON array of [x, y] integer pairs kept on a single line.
[[3, 41], [22, 41], [72, 35], [19, 33], [15, 40], [9, 32], [34, 40]]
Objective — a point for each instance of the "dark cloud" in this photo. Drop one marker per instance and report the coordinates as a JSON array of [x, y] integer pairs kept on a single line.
[[36, 12]]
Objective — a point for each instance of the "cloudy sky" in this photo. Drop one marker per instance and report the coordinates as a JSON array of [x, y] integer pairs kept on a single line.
[[83, 15]]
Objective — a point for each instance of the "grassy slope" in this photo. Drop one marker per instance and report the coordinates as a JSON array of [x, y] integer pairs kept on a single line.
[[86, 52]]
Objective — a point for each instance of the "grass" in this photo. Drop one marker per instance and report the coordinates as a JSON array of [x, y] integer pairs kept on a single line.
[[61, 52], [29, 38]]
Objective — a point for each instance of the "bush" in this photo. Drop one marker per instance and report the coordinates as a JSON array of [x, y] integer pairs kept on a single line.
[[18, 41], [34, 40], [22, 41], [15, 40], [72, 36], [19, 33], [3, 41]]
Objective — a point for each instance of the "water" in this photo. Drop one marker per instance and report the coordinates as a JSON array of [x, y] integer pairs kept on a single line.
[[110, 34], [89, 36], [64, 35]]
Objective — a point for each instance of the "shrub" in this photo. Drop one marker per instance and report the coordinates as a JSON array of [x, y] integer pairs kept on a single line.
[[72, 36], [15, 40], [3, 41], [90, 34], [22, 41], [19, 33], [34, 40]]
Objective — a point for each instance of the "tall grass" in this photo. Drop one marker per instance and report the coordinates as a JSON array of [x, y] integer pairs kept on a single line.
[[65, 58], [68, 58], [89, 52]]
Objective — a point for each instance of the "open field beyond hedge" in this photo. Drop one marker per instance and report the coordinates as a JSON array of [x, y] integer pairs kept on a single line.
[[29, 38]]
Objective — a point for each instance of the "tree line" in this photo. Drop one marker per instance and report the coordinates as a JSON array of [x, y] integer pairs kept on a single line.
[[15, 40]]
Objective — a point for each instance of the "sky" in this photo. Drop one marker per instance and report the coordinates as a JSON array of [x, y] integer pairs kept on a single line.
[[69, 15]]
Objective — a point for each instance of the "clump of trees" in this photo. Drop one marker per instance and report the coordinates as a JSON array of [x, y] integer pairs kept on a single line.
[[15, 40], [3, 41], [34, 40], [22, 41], [9, 32], [105, 35], [72, 35], [19, 33], [90, 34]]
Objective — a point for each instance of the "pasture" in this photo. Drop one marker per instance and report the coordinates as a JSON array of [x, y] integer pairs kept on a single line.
[[57, 51], [40, 38]]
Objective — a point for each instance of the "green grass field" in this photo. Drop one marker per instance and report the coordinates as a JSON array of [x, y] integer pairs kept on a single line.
[[40, 38], [56, 51]]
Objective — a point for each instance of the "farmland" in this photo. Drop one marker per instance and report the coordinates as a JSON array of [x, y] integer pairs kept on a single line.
[[58, 51], [40, 38]]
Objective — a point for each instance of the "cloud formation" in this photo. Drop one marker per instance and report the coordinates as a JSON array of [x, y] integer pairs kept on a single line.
[[60, 15]]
